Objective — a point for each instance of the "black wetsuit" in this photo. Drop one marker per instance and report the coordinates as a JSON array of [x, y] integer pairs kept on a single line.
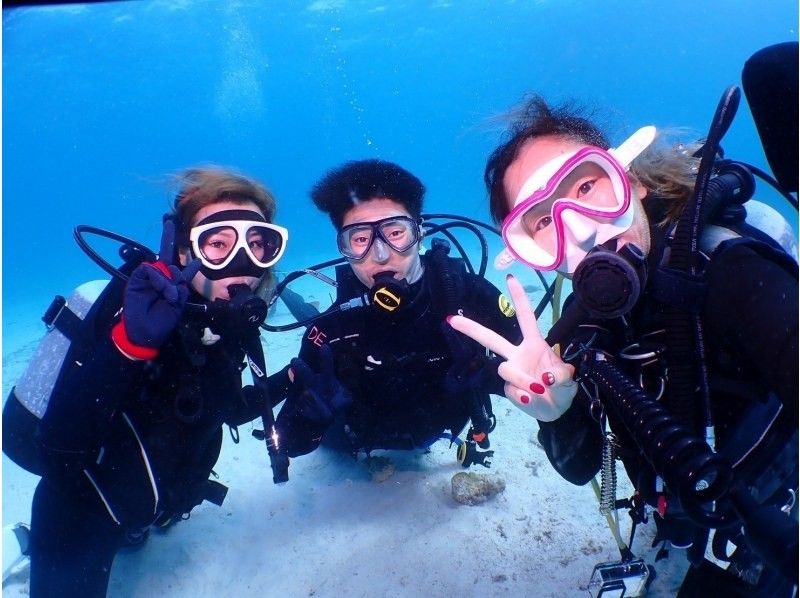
[[124, 443], [395, 364], [750, 326]]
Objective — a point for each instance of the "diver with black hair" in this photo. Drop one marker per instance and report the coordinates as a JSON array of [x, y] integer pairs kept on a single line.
[[385, 372], [676, 353], [126, 428]]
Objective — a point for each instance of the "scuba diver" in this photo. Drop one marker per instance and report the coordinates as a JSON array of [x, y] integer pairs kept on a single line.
[[381, 369], [676, 353], [124, 430]]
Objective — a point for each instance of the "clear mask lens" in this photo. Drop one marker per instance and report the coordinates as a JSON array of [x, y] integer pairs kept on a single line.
[[586, 197], [400, 233], [216, 244]]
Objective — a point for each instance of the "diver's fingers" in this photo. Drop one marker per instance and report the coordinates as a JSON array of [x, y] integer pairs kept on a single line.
[[190, 271], [326, 361], [488, 338], [166, 252], [516, 395], [525, 315], [536, 406], [559, 374], [515, 376], [543, 407]]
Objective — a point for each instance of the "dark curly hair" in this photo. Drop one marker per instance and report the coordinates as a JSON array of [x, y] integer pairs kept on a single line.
[[535, 118], [361, 180], [665, 169]]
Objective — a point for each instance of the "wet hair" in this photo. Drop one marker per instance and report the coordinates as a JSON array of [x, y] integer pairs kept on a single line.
[[535, 118], [667, 171], [206, 185], [363, 180]]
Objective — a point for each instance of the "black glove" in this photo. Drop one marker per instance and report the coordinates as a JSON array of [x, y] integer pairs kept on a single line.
[[154, 299], [472, 368], [320, 397], [248, 407]]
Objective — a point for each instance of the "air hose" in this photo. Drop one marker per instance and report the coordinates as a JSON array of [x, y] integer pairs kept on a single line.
[[689, 467]]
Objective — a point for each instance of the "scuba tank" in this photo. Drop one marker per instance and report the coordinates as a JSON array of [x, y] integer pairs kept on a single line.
[[70, 325], [66, 321], [36, 384]]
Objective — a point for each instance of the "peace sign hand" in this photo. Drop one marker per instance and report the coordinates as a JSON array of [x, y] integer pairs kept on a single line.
[[537, 380], [156, 294]]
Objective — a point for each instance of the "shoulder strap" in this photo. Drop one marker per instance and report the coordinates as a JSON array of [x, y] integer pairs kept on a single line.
[[687, 292], [347, 284], [765, 247], [447, 280]]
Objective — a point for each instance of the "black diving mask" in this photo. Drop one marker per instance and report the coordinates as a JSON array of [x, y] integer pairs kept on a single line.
[[399, 233]]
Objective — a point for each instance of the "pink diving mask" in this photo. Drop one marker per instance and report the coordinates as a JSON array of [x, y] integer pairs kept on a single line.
[[570, 205]]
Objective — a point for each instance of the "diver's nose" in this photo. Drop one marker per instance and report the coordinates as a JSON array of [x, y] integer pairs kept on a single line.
[[380, 252], [579, 229]]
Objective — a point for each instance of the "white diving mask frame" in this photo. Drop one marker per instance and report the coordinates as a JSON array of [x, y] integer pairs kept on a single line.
[[239, 234]]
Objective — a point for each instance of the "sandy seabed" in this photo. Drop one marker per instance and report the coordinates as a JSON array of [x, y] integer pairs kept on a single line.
[[333, 530]]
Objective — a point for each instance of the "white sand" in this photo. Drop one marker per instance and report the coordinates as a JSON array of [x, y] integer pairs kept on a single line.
[[332, 531]]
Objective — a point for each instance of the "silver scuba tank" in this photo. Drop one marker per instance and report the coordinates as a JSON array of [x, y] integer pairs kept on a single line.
[[761, 216], [34, 388]]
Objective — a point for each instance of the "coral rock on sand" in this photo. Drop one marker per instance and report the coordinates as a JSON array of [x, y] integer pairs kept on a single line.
[[380, 468], [476, 488]]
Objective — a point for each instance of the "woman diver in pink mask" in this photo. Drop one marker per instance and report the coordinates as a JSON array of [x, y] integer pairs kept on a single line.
[[605, 218]]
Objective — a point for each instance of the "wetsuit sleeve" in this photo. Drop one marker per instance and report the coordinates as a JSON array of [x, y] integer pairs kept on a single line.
[[752, 307], [573, 443], [300, 434], [252, 405]]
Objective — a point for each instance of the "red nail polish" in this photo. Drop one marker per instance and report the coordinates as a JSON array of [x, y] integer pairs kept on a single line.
[[548, 378], [537, 388], [448, 318], [524, 399]]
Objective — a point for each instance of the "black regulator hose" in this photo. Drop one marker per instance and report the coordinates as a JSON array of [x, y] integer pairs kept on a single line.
[[729, 190], [686, 463], [130, 251], [431, 229], [484, 246]]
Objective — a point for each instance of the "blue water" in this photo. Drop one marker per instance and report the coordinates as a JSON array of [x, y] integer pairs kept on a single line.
[[100, 102]]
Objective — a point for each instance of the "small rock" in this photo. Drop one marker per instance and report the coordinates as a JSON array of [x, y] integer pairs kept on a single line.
[[380, 468], [476, 488]]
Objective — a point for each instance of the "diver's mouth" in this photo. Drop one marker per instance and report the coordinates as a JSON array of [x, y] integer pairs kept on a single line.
[[384, 274], [233, 289]]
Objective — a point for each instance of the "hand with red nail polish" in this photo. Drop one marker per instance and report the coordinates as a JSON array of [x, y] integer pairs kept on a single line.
[[530, 367], [537, 388]]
